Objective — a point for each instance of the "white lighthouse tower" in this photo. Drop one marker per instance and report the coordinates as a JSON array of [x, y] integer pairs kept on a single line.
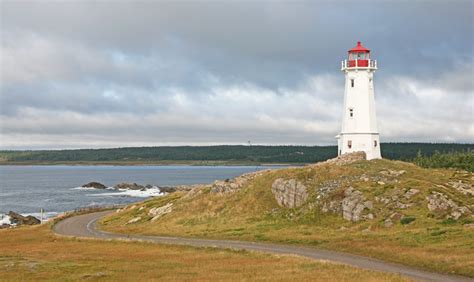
[[359, 125]]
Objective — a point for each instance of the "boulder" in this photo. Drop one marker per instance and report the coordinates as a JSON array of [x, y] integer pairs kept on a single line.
[[289, 193], [388, 222], [18, 219], [96, 185], [353, 205], [159, 211], [133, 220], [410, 193]]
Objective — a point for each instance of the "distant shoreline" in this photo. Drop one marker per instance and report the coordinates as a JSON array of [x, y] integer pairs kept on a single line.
[[219, 155], [157, 163]]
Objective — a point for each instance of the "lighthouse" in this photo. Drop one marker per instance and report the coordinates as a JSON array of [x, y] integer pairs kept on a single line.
[[359, 125]]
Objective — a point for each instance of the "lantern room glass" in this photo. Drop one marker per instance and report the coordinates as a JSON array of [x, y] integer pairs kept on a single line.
[[358, 56]]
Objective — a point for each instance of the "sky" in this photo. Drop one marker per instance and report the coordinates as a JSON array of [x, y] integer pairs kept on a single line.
[[96, 74]]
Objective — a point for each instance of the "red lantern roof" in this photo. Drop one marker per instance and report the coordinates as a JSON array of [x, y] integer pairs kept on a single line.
[[359, 48]]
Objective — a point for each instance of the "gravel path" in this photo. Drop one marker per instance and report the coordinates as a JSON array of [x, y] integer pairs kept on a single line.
[[85, 226]]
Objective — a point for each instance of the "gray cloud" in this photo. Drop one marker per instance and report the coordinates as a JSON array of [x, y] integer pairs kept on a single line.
[[123, 73]]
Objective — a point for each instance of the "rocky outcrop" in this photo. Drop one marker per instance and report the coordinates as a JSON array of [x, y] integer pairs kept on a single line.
[[134, 220], [464, 188], [398, 199], [18, 219], [224, 186], [392, 173], [410, 193], [345, 159], [160, 211], [289, 193], [440, 204], [394, 217], [96, 185], [130, 186], [354, 204], [234, 184]]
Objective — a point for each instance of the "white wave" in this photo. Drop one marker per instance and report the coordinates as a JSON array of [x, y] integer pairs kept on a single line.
[[4, 219], [92, 188], [83, 188], [150, 192], [46, 215]]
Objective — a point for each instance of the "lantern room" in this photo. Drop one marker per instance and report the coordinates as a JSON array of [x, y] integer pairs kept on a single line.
[[359, 56]]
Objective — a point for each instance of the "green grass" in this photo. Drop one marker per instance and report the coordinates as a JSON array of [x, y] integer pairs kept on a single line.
[[430, 241], [35, 253]]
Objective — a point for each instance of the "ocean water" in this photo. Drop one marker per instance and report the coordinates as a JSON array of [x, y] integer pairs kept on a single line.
[[27, 189]]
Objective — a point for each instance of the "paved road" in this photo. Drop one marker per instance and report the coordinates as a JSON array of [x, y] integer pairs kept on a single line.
[[85, 226]]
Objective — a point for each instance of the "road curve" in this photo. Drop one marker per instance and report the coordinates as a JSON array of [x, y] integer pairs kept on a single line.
[[85, 226]]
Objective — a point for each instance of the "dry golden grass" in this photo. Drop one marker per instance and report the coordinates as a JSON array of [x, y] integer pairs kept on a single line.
[[428, 242], [34, 253]]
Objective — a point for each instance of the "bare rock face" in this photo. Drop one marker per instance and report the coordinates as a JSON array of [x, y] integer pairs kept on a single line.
[[354, 204], [440, 203], [289, 193], [159, 211]]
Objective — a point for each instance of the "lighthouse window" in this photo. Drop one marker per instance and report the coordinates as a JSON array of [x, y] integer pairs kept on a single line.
[[375, 143], [352, 82], [351, 112], [349, 144]]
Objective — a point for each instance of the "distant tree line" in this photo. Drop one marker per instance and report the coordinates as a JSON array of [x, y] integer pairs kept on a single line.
[[457, 160], [417, 152]]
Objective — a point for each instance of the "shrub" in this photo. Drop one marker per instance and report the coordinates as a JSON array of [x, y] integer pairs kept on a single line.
[[407, 220]]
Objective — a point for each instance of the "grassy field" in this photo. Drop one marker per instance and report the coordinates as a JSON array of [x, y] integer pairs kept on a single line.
[[252, 213], [35, 253]]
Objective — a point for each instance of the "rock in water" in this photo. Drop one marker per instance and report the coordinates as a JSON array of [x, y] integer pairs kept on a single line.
[[131, 186], [166, 189], [289, 193], [18, 219], [96, 185]]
